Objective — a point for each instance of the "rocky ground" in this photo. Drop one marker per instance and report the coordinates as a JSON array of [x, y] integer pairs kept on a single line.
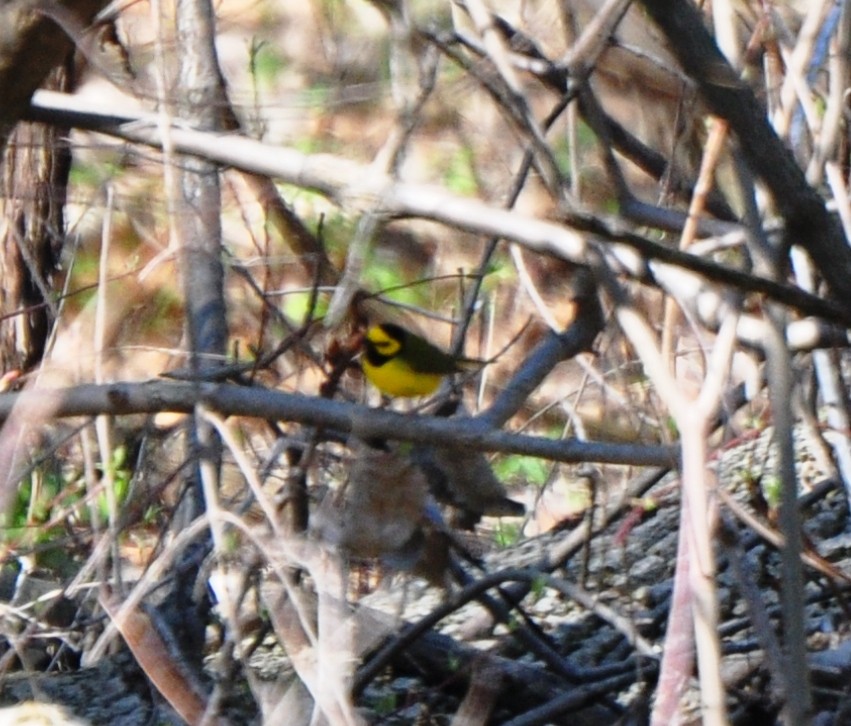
[[605, 611], [563, 628]]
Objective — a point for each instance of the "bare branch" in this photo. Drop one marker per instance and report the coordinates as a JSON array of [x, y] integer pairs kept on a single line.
[[807, 222], [356, 187], [154, 396]]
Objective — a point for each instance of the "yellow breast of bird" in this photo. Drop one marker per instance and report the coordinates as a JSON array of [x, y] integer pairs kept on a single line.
[[396, 378]]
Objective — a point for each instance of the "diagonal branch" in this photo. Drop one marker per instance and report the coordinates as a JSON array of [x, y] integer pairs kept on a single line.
[[356, 186], [808, 223]]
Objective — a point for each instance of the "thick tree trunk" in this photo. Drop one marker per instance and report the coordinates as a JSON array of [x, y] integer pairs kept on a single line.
[[35, 165], [31, 46], [35, 162]]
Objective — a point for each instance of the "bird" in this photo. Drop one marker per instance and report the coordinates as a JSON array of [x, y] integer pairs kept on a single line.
[[463, 479], [385, 512], [400, 363]]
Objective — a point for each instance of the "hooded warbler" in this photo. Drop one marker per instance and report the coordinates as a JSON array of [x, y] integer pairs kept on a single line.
[[399, 363]]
